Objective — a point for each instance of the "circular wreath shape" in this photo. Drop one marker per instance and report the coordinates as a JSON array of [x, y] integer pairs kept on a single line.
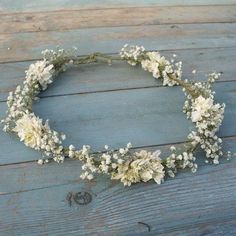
[[124, 164]]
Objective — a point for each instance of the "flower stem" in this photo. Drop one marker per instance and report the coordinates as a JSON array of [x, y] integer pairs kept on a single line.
[[96, 57], [189, 87]]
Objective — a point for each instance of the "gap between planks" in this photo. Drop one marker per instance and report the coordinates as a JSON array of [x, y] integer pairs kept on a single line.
[[23, 170], [101, 122], [181, 175], [28, 46], [115, 90], [199, 198], [115, 53], [97, 77], [136, 148]]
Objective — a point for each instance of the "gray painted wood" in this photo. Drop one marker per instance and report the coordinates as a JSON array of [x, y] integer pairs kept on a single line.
[[28, 46], [33, 198], [93, 78], [29, 176], [226, 228], [147, 116], [204, 199]]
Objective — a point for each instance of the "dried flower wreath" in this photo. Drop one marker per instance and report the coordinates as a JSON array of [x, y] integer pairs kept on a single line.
[[123, 164]]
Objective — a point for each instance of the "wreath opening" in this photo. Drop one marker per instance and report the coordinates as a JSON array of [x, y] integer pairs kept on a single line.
[[123, 164]]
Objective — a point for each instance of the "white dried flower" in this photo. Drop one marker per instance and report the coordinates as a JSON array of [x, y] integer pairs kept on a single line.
[[29, 128], [129, 145], [63, 136], [71, 147], [200, 108], [40, 161], [161, 68], [89, 176], [41, 72], [121, 150], [144, 167]]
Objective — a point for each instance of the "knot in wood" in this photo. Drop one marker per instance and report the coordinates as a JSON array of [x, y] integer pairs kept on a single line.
[[82, 198]]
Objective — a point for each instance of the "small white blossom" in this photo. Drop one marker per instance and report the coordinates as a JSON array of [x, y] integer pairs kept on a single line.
[[63, 136], [122, 150], [129, 145], [200, 109], [161, 68], [29, 128], [40, 161], [144, 167], [132, 53], [89, 176], [40, 72], [72, 147]]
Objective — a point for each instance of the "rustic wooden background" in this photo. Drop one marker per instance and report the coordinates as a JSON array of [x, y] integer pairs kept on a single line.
[[98, 104]]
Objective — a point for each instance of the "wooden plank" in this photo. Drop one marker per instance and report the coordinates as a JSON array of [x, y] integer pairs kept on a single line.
[[144, 116], [28, 46], [26, 5], [33, 199], [74, 19], [226, 228], [24, 177], [94, 78], [202, 200]]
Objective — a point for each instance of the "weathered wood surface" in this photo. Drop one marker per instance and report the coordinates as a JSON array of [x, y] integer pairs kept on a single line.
[[95, 78], [117, 117], [44, 5], [28, 46], [51, 175], [74, 19], [97, 104], [203, 203]]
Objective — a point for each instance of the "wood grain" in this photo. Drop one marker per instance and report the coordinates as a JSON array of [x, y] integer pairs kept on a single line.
[[226, 228], [99, 104], [75, 19], [100, 77], [44, 5], [202, 200], [28, 46], [144, 116]]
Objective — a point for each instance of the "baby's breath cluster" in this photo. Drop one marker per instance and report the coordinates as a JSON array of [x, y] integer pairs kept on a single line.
[[132, 54], [177, 161], [19, 102], [124, 164], [38, 135], [207, 117], [162, 69]]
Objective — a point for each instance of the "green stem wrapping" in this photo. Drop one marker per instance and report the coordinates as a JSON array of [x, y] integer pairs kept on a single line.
[[95, 57]]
